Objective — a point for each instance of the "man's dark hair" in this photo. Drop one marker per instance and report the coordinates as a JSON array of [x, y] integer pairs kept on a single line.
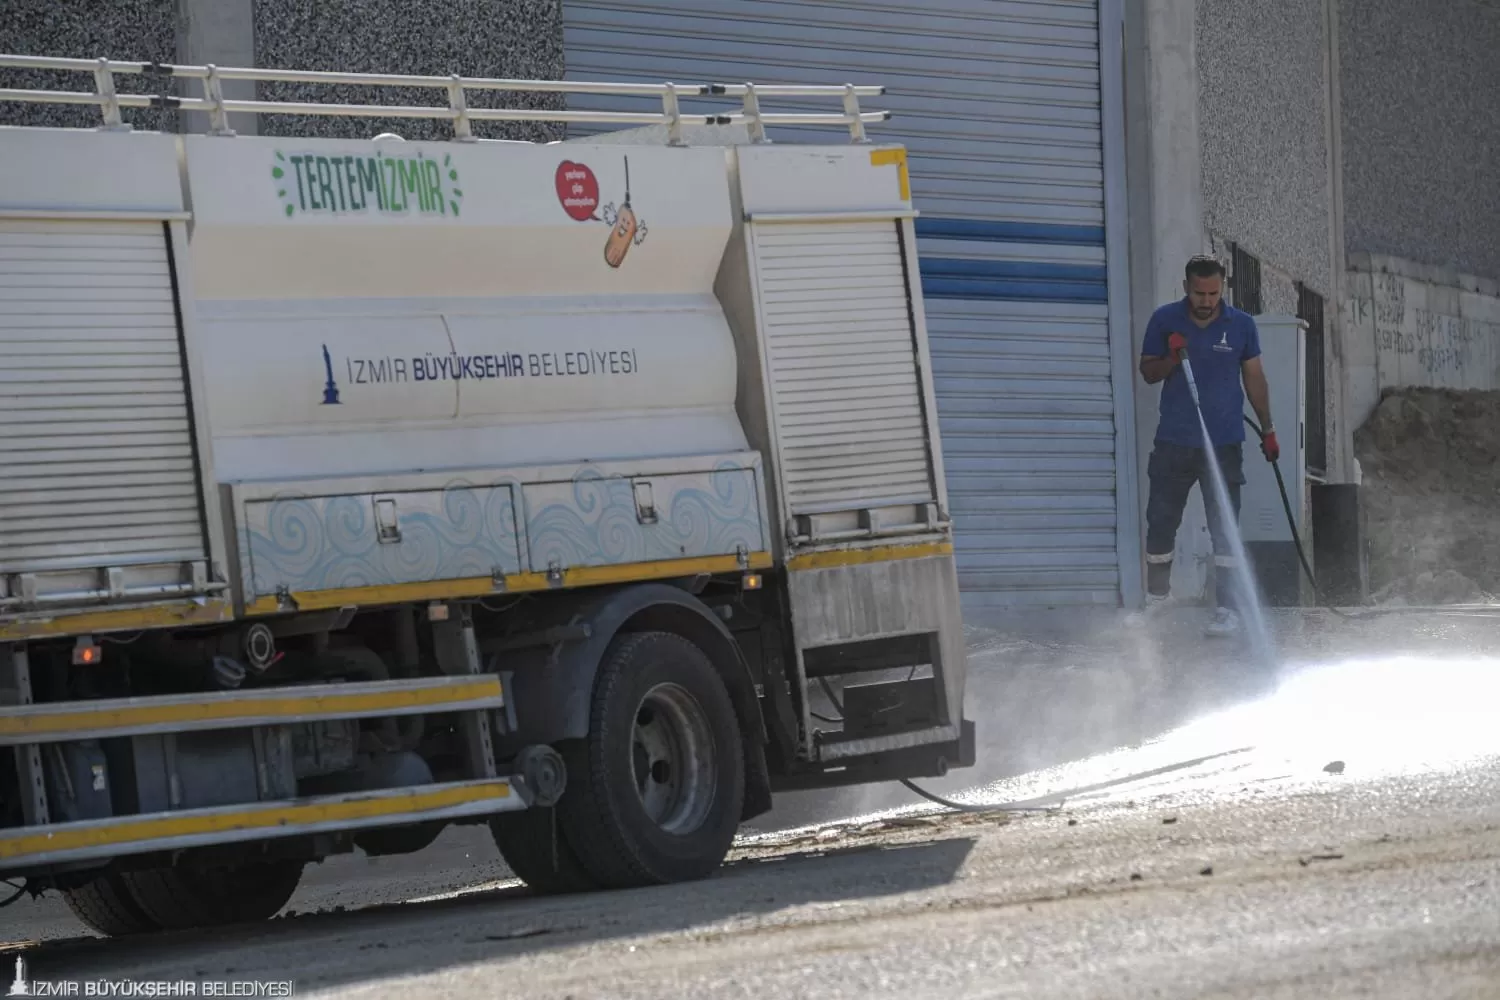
[[1203, 266]]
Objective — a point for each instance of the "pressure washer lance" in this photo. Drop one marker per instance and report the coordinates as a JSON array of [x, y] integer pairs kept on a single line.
[[1187, 369]]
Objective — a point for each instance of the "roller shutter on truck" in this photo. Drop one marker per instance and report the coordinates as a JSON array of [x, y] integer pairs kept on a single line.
[[849, 409], [96, 436]]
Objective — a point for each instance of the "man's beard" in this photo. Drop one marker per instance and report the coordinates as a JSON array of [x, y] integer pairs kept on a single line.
[[1200, 313]]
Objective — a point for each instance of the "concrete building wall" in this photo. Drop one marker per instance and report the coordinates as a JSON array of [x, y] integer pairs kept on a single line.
[[1421, 130], [144, 30], [512, 39], [1411, 324], [1234, 124], [1165, 195], [491, 38], [1262, 106]]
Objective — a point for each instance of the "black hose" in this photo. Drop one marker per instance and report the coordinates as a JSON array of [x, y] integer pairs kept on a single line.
[[1291, 522], [1011, 807]]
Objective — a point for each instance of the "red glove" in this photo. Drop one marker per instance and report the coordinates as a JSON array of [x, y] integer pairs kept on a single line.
[[1177, 345], [1270, 448]]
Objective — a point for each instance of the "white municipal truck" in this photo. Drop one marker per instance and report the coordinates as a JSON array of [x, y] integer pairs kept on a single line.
[[353, 488]]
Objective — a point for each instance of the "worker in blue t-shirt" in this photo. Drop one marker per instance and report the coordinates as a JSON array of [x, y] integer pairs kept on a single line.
[[1223, 346]]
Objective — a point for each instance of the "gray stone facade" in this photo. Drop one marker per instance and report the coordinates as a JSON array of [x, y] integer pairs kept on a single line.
[[143, 30], [1262, 105], [512, 39], [1421, 130]]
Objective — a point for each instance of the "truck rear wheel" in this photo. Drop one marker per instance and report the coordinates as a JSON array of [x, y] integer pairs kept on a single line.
[[105, 904], [656, 789], [536, 851], [179, 898]]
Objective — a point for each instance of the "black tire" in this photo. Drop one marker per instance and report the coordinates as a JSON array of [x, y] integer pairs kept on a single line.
[[649, 678], [105, 904], [178, 898], [536, 851]]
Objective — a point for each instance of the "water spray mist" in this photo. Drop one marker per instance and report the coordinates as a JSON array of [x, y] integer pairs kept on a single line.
[[1254, 615]]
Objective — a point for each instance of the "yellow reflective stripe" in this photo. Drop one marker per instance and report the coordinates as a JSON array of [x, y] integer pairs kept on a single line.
[[585, 576], [482, 586], [36, 625], [859, 557], [301, 703], [1158, 560], [393, 593], [886, 157], [59, 837]]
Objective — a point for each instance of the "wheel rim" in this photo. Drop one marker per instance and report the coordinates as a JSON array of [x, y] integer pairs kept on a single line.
[[673, 757]]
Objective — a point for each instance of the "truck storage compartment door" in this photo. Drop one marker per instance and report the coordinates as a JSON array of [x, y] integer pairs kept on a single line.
[[592, 521], [100, 490], [317, 548], [846, 388]]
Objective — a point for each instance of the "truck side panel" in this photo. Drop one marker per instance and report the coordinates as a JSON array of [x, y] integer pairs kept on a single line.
[[330, 542], [597, 522], [390, 537]]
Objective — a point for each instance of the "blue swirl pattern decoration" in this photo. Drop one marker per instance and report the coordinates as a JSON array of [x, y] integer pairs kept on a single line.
[[592, 521], [328, 543]]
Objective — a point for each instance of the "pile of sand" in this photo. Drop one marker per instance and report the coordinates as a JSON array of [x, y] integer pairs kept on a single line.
[[1431, 496]]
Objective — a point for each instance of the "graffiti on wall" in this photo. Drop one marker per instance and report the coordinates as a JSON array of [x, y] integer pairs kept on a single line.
[[1426, 334]]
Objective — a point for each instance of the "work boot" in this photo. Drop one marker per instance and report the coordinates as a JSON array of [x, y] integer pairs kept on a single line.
[[1224, 624], [1155, 606]]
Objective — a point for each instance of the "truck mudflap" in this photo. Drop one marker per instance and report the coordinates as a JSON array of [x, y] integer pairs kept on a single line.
[[52, 834]]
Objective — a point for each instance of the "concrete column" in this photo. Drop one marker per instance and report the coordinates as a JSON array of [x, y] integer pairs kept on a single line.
[[222, 33], [1166, 217], [1338, 370], [1122, 324]]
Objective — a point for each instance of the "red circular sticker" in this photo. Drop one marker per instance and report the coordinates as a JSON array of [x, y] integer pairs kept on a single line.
[[577, 189]]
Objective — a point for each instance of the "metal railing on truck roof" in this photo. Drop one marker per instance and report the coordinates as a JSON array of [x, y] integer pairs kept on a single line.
[[457, 87]]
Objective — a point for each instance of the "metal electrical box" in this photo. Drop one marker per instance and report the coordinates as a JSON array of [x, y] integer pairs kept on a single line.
[[1263, 519]]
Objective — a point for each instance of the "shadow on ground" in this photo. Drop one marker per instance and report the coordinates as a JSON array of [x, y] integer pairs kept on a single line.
[[381, 942]]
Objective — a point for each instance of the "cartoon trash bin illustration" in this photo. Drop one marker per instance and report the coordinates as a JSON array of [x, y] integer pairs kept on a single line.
[[623, 232]]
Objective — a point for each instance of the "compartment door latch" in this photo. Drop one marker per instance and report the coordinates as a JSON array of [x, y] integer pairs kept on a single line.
[[387, 521], [645, 504]]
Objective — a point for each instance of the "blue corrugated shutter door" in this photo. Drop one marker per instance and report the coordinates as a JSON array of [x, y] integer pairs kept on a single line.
[[999, 104]]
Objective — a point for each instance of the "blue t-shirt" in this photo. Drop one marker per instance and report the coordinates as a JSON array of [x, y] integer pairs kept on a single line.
[[1216, 353]]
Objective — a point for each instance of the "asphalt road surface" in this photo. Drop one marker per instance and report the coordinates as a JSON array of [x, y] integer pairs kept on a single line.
[[1199, 826]]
